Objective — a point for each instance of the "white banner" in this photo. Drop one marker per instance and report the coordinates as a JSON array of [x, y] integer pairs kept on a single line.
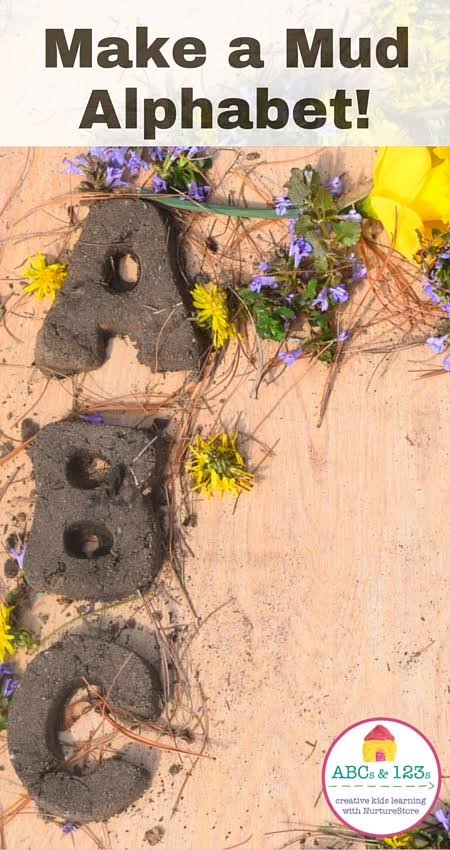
[[259, 72]]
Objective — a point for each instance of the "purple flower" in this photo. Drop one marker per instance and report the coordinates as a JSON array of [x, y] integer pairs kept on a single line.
[[98, 152], [282, 204], [176, 151], [352, 215], [446, 307], [359, 271], [430, 291], [117, 157], [322, 300], [68, 827], [438, 344], [6, 669], [114, 177], [158, 184], [73, 167], [198, 193], [136, 163], [19, 556], [9, 687], [289, 357], [298, 249], [157, 154], [194, 151], [339, 294], [260, 280], [335, 186], [343, 336], [445, 255], [264, 267], [446, 363], [443, 818], [93, 418]]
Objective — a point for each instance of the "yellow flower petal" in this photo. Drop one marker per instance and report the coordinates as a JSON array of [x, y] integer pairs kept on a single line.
[[433, 202], [401, 220], [400, 172], [443, 153]]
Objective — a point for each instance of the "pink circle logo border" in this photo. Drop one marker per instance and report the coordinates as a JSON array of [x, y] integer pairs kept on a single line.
[[376, 720]]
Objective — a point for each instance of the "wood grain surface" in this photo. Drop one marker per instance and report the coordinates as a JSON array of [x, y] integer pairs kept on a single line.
[[321, 596]]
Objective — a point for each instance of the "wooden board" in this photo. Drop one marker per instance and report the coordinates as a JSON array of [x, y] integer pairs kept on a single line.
[[322, 598]]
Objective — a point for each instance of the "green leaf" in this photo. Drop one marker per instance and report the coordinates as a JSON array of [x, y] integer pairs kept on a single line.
[[298, 190], [323, 199], [310, 290], [347, 232], [284, 312]]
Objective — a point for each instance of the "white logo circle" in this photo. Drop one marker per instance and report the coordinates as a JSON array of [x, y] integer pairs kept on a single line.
[[381, 777]]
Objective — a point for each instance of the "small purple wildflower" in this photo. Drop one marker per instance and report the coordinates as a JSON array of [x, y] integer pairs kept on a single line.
[[339, 294], [282, 204], [352, 215], [6, 669], [430, 291], [195, 151], [264, 267], [446, 307], [19, 556], [98, 152], [9, 687], [198, 193], [343, 336], [158, 184], [157, 154], [298, 249], [289, 357], [259, 280], [335, 186], [443, 818], [114, 177], [438, 344], [359, 271], [321, 300], [136, 163], [75, 167], [446, 363], [92, 418], [68, 827]]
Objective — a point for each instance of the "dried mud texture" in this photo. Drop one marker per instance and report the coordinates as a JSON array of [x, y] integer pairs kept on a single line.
[[100, 299], [94, 535], [36, 713]]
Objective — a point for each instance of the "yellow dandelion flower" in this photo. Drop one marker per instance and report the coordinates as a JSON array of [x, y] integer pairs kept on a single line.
[[403, 840], [6, 635], [46, 279], [210, 303], [217, 467]]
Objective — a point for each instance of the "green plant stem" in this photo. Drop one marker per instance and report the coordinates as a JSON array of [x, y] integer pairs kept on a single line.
[[176, 202]]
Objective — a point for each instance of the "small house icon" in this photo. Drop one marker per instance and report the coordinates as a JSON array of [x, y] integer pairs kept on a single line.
[[379, 745]]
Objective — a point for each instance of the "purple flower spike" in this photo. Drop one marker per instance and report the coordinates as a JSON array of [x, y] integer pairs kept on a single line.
[[67, 828], [339, 294], [321, 300], [343, 336], [6, 669], [289, 357], [198, 193], [93, 418], [282, 204], [259, 280], [430, 291], [335, 186], [158, 184], [446, 363], [9, 687], [359, 271], [19, 556], [298, 249], [438, 344], [443, 818]]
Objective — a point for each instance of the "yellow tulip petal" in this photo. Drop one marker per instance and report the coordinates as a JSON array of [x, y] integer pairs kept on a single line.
[[443, 153], [400, 172], [398, 219], [433, 201]]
